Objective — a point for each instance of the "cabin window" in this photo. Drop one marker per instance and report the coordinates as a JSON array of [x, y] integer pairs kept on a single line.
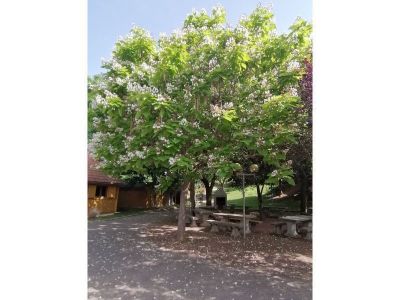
[[101, 191]]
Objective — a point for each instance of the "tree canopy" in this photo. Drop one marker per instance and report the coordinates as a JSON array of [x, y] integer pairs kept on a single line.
[[198, 101]]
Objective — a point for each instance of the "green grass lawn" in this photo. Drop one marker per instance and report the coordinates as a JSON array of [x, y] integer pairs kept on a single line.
[[235, 197]]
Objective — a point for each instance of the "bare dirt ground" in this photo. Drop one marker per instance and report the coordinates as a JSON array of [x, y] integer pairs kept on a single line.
[[260, 252], [138, 257]]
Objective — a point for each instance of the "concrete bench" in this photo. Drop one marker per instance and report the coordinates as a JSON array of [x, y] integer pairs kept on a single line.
[[253, 223], [190, 220], [279, 227], [217, 226], [193, 221], [203, 216], [274, 211], [306, 230]]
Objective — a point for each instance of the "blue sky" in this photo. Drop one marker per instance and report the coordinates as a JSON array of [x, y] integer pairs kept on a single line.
[[108, 20]]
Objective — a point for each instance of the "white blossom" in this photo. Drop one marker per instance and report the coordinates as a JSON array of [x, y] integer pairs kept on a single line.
[[139, 154], [251, 96], [247, 132], [230, 42], [158, 125], [110, 94], [264, 82], [274, 173], [100, 100], [216, 111], [112, 64], [172, 160], [190, 29], [179, 132], [96, 121], [160, 98], [183, 122], [120, 81], [188, 95], [293, 91], [137, 88], [227, 105], [209, 41], [146, 67], [169, 87], [213, 63], [111, 149], [218, 11], [178, 33], [293, 65], [267, 95], [242, 30], [163, 139]]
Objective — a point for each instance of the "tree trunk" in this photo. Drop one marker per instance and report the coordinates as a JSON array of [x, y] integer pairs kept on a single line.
[[208, 196], [154, 198], [304, 194], [182, 211], [150, 198], [260, 199], [192, 195], [209, 185]]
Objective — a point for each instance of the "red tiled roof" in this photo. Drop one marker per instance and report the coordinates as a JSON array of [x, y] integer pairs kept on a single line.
[[97, 176]]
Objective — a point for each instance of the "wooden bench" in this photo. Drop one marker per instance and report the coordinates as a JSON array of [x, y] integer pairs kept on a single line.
[[216, 226], [279, 227]]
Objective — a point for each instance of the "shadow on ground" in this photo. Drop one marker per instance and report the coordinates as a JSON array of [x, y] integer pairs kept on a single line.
[[138, 258]]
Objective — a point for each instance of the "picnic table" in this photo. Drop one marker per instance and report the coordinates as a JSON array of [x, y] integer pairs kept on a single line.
[[292, 221], [227, 217]]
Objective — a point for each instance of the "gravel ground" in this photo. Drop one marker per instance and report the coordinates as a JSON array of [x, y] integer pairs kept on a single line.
[[137, 257]]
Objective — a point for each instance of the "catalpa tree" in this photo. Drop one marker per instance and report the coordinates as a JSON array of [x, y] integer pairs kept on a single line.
[[182, 107]]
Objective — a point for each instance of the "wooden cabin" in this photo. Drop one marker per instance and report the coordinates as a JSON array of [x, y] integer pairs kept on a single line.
[[103, 190], [140, 196]]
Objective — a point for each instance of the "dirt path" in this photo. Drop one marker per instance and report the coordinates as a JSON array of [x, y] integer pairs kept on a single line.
[[137, 258]]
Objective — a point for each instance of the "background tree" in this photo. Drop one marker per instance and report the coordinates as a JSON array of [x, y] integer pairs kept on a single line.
[[301, 153], [270, 121], [260, 176]]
